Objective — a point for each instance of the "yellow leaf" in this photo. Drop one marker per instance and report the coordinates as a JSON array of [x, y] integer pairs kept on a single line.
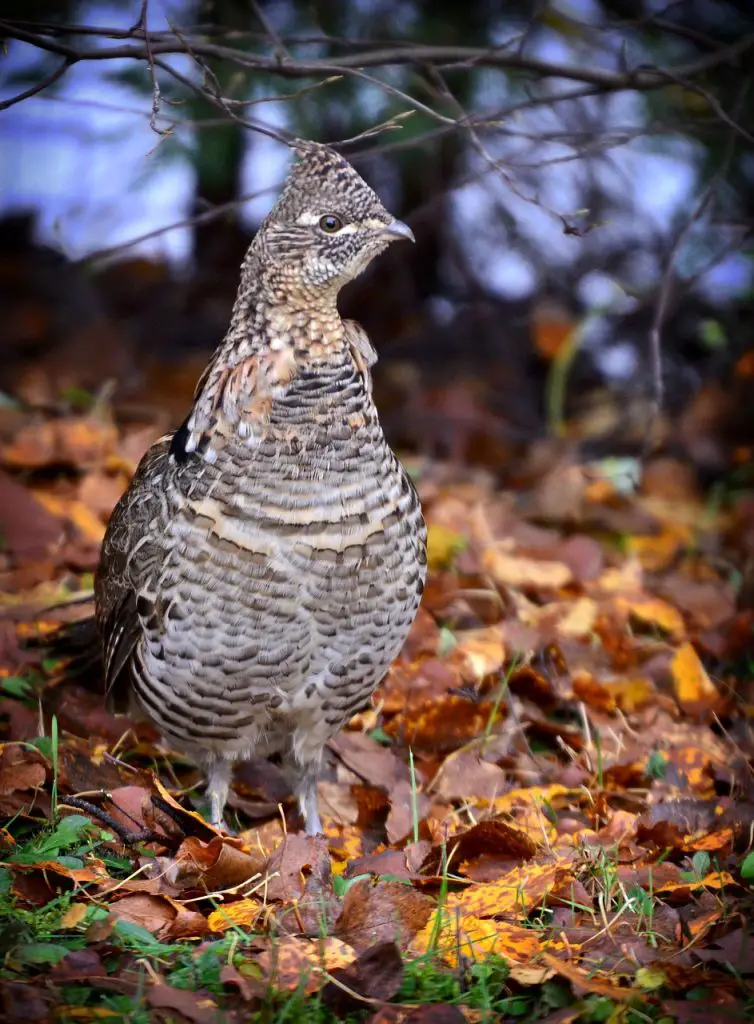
[[631, 694], [528, 796], [241, 915], [694, 689], [657, 551], [455, 938], [517, 891], [443, 544], [655, 612]]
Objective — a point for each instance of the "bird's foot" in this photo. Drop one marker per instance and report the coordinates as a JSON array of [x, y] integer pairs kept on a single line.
[[306, 792], [218, 786]]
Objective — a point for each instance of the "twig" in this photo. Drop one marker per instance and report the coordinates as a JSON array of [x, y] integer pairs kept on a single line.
[[667, 281], [187, 222], [641, 79], [126, 836], [281, 51], [34, 89], [156, 94]]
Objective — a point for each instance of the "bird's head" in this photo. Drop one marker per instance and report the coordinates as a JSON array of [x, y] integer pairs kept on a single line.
[[327, 225]]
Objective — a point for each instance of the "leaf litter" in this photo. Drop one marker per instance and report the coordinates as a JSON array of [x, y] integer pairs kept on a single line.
[[550, 800]]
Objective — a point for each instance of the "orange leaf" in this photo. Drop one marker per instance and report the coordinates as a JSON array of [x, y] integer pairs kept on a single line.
[[655, 612], [589, 980], [294, 960], [694, 689], [714, 880], [528, 796], [517, 891]]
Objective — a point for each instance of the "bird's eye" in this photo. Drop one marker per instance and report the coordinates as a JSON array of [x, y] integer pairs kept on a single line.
[[330, 223]]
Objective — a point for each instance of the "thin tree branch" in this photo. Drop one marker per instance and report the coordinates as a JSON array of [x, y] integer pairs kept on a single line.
[[40, 86], [668, 278], [187, 222], [639, 79]]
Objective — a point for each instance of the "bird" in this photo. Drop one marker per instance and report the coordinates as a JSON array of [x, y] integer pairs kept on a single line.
[[262, 571]]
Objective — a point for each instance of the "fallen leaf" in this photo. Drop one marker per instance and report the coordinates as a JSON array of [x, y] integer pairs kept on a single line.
[[478, 653], [21, 776], [381, 912], [194, 1006], [377, 973], [222, 863], [694, 689], [293, 962], [655, 612], [371, 761], [587, 980], [458, 938], [463, 775], [441, 724], [518, 891], [526, 573], [75, 914], [407, 806], [443, 544], [165, 918], [487, 837], [242, 914]]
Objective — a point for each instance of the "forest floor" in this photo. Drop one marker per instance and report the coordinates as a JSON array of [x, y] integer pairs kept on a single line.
[[546, 815]]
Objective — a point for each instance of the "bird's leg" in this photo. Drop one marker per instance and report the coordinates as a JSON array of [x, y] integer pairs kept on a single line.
[[306, 794], [218, 785]]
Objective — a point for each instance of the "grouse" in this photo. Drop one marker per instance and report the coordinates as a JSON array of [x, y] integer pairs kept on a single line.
[[263, 569]]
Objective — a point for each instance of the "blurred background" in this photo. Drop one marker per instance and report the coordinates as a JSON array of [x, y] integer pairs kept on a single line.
[[577, 174]]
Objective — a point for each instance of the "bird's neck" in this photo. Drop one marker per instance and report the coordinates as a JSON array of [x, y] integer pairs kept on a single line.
[[275, 307]]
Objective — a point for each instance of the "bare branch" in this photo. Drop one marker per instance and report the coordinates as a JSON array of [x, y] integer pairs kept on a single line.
[[188, 222], [459, 57], [39, 87], [668, 278]]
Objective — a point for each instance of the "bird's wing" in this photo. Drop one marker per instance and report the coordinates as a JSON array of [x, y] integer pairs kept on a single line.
[[362, 350], [131, 554]]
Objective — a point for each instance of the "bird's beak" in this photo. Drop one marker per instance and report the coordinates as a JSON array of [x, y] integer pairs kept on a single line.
[[397, 229]]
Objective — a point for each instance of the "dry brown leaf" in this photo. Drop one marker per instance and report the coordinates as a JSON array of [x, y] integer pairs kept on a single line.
[[465, 776], [165, 918], [196, 1007], [382, 912], [588, 980], [224, 862], [21, 776]]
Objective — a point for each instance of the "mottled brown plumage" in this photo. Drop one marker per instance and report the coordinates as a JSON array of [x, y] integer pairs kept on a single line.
[[264, 567]]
